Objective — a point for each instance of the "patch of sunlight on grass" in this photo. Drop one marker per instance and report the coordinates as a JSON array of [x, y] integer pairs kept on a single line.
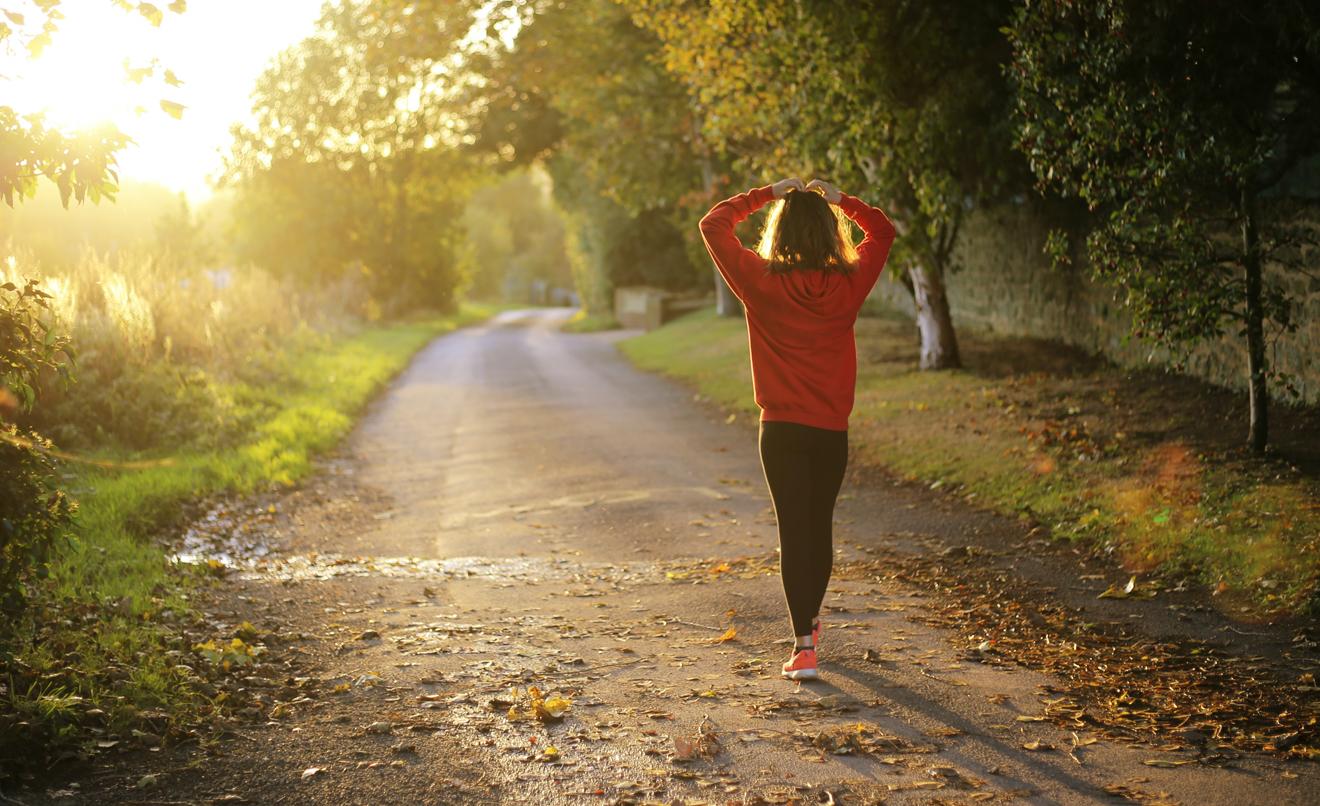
[[583, 322]]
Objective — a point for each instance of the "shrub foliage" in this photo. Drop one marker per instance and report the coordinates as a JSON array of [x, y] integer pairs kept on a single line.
[[33, 511]]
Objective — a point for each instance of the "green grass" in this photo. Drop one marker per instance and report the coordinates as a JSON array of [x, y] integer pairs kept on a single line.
[[583, 322], [106, 632], [1049, 441]]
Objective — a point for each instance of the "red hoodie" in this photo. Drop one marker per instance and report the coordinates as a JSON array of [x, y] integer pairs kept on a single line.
[[799, 323]]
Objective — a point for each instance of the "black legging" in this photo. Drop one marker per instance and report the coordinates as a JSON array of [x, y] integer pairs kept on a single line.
[[804, 469]]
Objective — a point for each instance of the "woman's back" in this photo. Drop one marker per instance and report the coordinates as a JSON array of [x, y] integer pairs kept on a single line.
[[800, 321]]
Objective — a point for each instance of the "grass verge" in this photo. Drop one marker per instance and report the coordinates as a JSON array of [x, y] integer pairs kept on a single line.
[[583, 322], [1141, 465], [108, 654]]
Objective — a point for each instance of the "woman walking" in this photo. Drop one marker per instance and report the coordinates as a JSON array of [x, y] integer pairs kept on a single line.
[[802, 291]]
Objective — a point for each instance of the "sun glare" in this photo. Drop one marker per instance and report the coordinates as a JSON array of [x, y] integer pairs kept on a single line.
[[217, 48], [81, 78]]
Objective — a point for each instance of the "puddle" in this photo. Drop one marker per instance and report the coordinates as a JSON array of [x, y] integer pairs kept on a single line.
[[265, 564], [230, 534], [244, 538]]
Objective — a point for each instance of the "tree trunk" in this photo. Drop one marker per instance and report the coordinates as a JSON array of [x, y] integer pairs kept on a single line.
[[939, 343], [1258, 433], [726, 304]]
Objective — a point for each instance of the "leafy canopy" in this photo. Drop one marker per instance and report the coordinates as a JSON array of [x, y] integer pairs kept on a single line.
[[1162, 116], [82, 164]]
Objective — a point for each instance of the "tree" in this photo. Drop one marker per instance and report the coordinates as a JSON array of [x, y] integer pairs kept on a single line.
[[81, 164], [616, 141], [181, 236], [901, 101], [516, 235], [1174, 121], [355, 163]]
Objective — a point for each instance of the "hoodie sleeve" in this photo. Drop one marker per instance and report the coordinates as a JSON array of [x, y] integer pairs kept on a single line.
[[873, 251], [736, 263]]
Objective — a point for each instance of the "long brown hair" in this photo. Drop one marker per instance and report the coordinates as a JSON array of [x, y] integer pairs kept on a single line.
[[804, 231]]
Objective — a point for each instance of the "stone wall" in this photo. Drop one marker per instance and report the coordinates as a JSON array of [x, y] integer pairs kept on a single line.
[[1006, 285]]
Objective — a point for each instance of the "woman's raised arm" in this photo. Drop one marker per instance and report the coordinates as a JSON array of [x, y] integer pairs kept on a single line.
[[879, 234], [736, 263]]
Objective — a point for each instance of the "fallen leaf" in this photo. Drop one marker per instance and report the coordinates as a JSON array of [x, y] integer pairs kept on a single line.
[[1115, 592], [554, 707], [684, 749]]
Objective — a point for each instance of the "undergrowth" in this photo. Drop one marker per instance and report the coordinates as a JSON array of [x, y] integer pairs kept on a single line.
[[106, 654]]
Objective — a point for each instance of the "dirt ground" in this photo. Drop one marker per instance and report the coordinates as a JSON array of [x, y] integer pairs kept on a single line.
[[535, 574]]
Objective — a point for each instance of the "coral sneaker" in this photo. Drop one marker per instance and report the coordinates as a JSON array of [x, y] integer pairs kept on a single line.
[[802, 666]]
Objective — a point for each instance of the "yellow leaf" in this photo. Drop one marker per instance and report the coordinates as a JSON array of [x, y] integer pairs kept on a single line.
[[153, 13], [174, 110], [1115, 592], [556, 706], [1167, 763], [729, 635]]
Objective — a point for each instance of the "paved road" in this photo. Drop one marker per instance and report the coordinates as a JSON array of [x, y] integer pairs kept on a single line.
[[496, 428], [525, 509]]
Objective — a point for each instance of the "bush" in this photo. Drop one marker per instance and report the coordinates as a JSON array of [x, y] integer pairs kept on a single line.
[[33, 513], [171, 355], [29, 345]]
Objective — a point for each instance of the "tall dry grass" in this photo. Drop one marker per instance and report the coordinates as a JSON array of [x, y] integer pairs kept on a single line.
[[165, 351]]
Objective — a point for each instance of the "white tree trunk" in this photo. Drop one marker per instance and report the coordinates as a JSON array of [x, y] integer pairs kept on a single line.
[[939, 343], [1257, 364], [726, 304]]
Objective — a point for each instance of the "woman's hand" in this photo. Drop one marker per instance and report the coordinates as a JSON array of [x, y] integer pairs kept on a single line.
[[785, 185], [831, 193]]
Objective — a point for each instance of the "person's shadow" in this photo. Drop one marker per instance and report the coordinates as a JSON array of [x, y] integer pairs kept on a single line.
[[1004, 753]]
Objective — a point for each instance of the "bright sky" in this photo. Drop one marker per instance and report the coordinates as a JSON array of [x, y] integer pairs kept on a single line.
[[217, 48]]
